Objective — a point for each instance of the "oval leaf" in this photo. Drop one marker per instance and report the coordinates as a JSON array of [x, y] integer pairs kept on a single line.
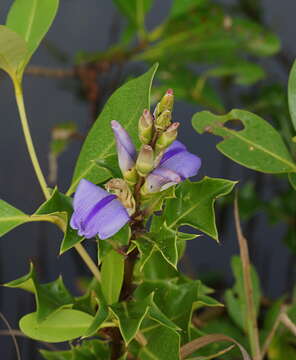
[[31, 19], [63, 325], [13, 50], [125, 105], [258, 146], [292, 94], [112, 276]]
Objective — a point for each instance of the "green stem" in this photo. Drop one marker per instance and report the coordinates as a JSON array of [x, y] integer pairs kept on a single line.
[[30, 146], [88, 261], [28, 138]]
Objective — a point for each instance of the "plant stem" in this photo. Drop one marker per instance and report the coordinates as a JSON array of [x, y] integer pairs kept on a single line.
[[30, 146], [28, 138], [248, 288]]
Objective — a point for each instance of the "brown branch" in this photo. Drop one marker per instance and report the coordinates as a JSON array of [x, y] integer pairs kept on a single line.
[[44, 71], [248, 287]]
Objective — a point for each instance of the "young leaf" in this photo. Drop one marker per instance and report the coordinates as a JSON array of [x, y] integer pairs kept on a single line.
[[292, 94], [13, 50], [125, 105], [235, 299], [112, 276], [258, 146], [194, 204], [10, 217], [130, 316], [63, 325], [31, 19]]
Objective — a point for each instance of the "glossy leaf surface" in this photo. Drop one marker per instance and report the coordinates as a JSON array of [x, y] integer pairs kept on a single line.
[[258, 146]]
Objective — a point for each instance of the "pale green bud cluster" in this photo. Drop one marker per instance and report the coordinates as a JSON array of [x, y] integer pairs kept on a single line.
[[156, 133]]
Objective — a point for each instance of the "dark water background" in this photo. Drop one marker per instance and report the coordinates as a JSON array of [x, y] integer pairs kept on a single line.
[[86, 25]]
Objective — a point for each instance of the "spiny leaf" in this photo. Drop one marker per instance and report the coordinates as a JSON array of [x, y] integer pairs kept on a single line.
[[50, 297], [194, 204], [130, 315], [10, 217]]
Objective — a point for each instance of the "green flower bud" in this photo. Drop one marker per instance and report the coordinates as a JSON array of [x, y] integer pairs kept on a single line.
[[145, 160], [131, 176], [163, 121], [146, 127], [166, 103], [167, 137]]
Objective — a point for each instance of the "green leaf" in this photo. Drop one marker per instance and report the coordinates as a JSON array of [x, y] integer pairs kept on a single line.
[[100, 317], [125, 105], [10, 217], [258, 146], [112, 272], [134, 10], [146, 248], [157, 315], [56, 355], [87, 350], [244, 73], [165, 240], [50, 297], [163, 344], [292, 179], [31, 19], [292, 94], [175, 301], [155, 267], [62, 325], [194, 204], [184, 7], [13, 50], [130, 315], [60, 205], [235, 298], [122, 237]]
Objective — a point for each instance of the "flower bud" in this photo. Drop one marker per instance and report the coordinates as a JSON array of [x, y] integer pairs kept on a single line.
[[126, 150], [166, 103], [163, 121], [120, 188], [145, 161], [159, 180], [131, 176], [167, 137], [146, 127]]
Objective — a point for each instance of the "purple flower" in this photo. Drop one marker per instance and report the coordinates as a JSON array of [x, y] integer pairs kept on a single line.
[[125, 148], [97, 212], [176, 165]]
